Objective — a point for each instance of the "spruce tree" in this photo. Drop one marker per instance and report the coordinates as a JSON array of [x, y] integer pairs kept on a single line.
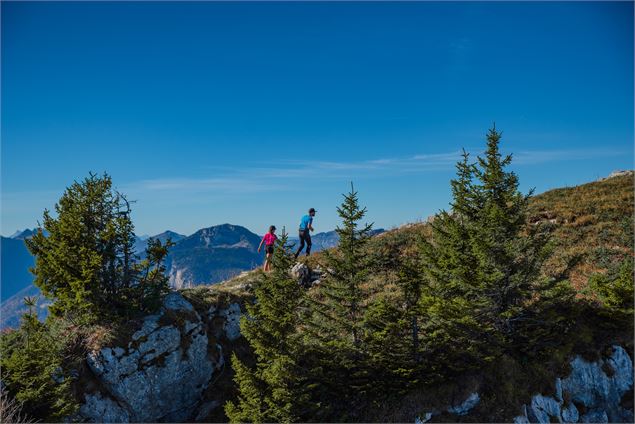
[[340, 312], [84, 257], [510, 253], [482, 265], [334, 325], [272, 392]]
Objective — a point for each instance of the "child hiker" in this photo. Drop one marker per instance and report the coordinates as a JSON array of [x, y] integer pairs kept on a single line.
[[269, 239]]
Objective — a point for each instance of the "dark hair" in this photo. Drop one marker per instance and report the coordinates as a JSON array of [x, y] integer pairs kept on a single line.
[[272, 228], [312, 210]]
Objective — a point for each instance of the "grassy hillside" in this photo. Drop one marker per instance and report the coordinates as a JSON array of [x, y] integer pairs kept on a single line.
[[592, 232], [593, 225]]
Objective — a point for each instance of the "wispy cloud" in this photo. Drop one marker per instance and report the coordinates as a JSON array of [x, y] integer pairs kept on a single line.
[[285, 175], [533, 157]]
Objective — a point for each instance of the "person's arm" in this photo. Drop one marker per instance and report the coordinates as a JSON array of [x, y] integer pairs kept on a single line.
[[311, 224], [260, 245]]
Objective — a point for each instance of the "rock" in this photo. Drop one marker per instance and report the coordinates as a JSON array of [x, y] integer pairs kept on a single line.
[[231, 326], [595, 416], [103, 409], [615, 174], [559, 389], [522, 419], [426, 417], [570, 414], [464, 407], [301, 273], [589, 385], [177, 302], [543, 408], [622, 378], [160, 376]]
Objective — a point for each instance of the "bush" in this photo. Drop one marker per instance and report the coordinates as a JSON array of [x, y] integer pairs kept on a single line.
[[614, 289]]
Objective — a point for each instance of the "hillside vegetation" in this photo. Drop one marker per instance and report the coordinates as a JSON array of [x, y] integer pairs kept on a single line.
[[493, 296]]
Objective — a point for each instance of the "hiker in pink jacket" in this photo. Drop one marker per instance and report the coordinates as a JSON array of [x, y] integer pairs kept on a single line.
[[269, 240]]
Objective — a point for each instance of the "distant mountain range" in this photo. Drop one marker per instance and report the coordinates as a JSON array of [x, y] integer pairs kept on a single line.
[[15, 261], [208, 256]]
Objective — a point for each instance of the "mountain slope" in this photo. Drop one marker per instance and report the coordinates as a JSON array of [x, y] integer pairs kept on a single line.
[[213, 254]]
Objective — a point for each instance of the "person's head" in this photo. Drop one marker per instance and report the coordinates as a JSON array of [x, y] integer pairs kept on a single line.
[[272, 229], [312, 212]]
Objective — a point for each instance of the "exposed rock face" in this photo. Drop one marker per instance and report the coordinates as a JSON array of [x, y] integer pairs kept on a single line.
[[160, 375], [230, 317], [595, 387]]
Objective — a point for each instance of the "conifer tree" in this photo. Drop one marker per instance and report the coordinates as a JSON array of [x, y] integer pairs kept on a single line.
[[340, 312], [334, 326], [482, 265], [510, 253], [272, 392], [84, 257]]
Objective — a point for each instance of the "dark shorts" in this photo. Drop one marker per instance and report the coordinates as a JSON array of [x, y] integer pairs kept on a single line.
[[269, 248]]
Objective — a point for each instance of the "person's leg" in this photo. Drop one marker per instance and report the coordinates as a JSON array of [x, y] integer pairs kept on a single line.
[[264, 266], [268, 262], [308, 243], [301, 236]]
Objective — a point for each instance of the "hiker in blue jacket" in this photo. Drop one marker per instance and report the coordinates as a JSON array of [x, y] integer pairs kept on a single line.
[[306, 226]]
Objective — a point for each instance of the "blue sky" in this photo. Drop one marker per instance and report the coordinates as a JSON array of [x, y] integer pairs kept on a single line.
[[250, 113]]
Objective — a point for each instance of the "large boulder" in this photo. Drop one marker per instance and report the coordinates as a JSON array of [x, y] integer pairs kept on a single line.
[[160, 375]]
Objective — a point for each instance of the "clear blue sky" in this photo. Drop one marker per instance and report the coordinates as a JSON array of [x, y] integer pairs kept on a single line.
[[207, 113]]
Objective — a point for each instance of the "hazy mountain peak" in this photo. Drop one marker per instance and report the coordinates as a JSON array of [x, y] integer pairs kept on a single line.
[[25, 234]]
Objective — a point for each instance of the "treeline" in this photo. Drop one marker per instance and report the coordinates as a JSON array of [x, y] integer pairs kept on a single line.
[[471, 297]]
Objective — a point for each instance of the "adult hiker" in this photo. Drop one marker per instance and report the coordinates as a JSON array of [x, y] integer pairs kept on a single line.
[[306, 226], [269, 240]]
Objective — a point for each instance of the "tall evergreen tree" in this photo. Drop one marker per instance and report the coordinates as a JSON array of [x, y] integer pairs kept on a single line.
[[482, 265], [84, 258], [272, 392], [510, 253], [335, 323], [340, 311]]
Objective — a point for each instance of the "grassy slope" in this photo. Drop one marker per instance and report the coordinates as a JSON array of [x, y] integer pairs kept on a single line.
[[594, 225]]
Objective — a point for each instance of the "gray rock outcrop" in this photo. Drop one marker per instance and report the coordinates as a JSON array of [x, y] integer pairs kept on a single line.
[[160, 375], [595, 387], [306, 276]]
